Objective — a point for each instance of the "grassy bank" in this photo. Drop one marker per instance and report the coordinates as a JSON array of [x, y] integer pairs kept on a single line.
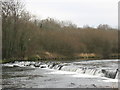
[[55, 59]]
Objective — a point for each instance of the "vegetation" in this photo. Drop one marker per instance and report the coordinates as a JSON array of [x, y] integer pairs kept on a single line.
[[25, 37]]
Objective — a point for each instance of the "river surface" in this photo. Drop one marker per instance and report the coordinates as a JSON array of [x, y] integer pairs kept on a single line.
[[70, 75]]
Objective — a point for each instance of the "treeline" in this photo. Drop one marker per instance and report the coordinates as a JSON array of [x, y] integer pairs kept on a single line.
[[24, 36]]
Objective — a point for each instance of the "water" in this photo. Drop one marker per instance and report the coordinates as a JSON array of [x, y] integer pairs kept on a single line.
[[80, 74]]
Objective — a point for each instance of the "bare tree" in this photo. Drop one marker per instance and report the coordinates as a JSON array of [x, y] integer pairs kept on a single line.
[[11, 12], [12, 8], [0, 30], [104, 27]]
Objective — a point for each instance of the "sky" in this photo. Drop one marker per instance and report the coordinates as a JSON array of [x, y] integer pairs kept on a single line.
[[79, 12]]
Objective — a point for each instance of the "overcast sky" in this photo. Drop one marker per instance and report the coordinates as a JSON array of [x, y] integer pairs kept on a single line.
[[79, 12]]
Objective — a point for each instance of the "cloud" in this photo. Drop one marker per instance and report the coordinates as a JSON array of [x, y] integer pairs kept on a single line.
[[80, 12]]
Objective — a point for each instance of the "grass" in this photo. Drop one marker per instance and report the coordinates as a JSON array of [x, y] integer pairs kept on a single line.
[[54, 59], [6, 61]]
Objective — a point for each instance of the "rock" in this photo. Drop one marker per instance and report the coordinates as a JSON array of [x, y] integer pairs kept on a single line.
[[110, 73], [15, 65], [27, 64], [43, 66], [60, 66], [37, 64], [72, 83], [94, 85], [52, 65]]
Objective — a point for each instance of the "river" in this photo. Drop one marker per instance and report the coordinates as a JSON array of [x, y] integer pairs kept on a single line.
[[70, 74]]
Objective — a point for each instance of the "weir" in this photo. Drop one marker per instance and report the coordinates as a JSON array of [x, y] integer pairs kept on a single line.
[[103, 72]]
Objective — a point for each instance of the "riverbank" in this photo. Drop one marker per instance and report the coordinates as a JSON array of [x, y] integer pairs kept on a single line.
[[8, 61], [55, 59]]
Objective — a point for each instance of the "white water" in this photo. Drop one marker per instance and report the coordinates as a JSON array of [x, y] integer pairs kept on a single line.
[[73, 75], [85, 67]]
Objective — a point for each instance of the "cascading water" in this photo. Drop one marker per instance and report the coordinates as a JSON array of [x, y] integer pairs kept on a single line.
[[103, 72]]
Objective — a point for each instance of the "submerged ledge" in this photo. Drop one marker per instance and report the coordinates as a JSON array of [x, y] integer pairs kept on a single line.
[[77, 67]]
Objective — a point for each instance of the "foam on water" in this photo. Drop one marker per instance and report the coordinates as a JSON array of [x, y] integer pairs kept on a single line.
[[61, 72], [70, 68], [111, 80]]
